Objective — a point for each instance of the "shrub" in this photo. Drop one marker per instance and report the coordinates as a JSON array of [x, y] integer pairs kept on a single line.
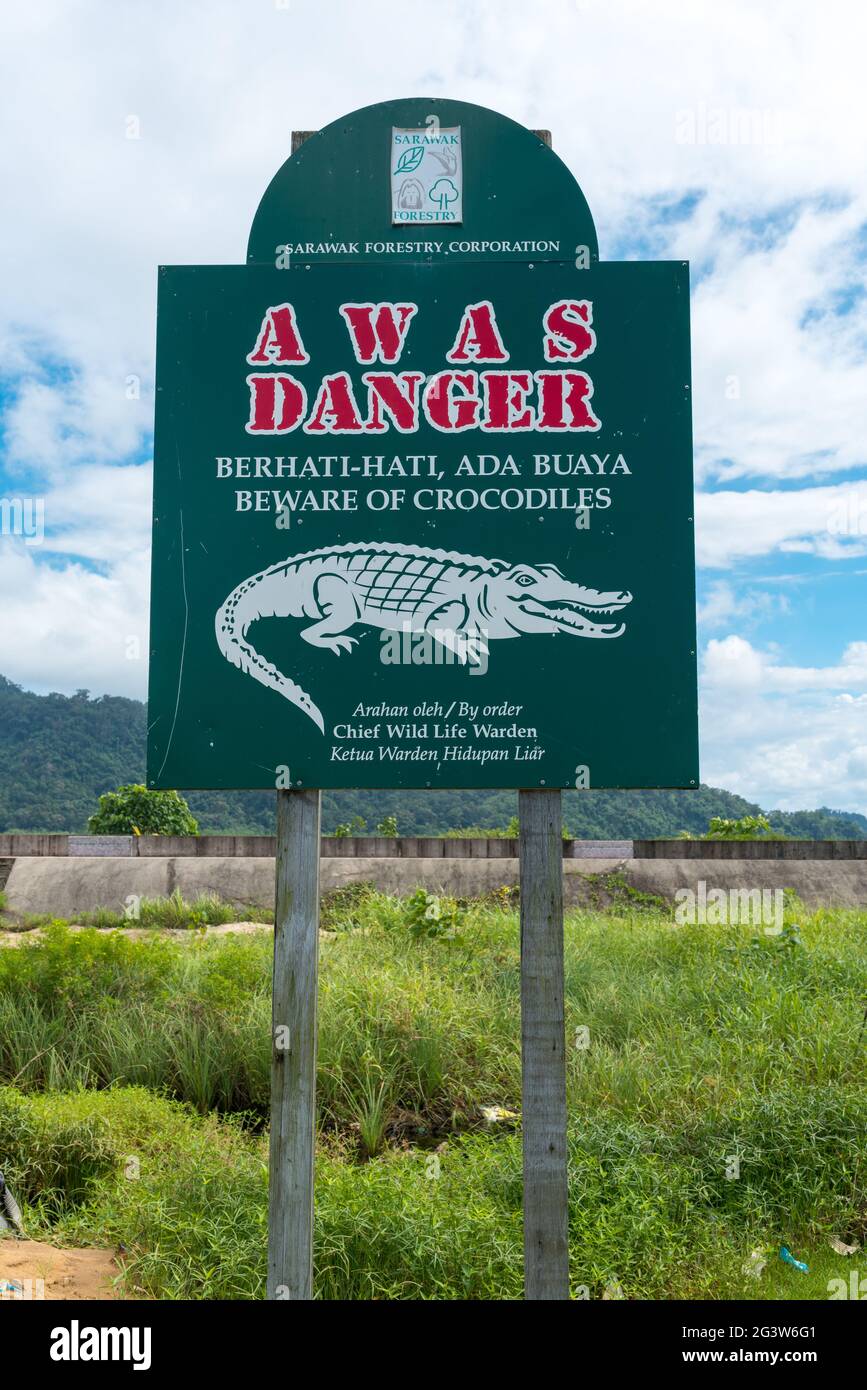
[[433, 914], [65, 969], [746, 828], [48, 1158], [135, 810], [356, 826]]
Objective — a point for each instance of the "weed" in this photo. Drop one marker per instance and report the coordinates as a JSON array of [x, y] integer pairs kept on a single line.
[[433, 915]]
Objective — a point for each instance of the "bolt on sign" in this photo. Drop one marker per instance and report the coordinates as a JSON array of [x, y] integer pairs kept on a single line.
[[423, 485]]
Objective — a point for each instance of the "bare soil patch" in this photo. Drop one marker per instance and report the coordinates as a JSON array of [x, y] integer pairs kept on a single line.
[[65, 1274]]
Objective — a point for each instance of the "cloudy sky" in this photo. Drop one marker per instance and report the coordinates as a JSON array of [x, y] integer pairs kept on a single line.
[[731, 135]]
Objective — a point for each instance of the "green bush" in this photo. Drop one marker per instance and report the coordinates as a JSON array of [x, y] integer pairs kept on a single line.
[[433, 914], [48, 1159], [746, 828], [67, 970], [356, 826], [135, 810]]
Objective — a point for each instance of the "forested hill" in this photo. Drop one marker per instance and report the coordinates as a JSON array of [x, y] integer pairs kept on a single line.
[[59, 752]]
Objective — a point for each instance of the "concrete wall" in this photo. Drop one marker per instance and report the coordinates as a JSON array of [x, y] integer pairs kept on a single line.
[[749, 849], [417, 847], [65, 886]]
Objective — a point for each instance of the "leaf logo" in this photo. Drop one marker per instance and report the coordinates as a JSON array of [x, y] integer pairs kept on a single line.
[[410, 159]]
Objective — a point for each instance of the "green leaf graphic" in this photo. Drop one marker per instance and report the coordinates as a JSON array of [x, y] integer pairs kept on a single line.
[[410, 159]]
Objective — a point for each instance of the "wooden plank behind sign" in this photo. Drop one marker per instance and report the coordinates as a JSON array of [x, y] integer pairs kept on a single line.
[[299, 136]]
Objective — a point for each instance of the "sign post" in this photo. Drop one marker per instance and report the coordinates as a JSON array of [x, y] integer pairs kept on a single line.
[[543, 1042], [293, 1041], [543, 1048], [422, 519]]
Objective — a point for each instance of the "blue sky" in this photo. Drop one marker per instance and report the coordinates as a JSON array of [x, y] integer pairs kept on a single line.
[[729, 135]]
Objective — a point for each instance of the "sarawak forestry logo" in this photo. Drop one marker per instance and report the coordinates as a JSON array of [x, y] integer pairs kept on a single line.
[[426, 174]]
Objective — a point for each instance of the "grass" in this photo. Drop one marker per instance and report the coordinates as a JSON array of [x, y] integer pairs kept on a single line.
[[720, 1106], [173, 913]]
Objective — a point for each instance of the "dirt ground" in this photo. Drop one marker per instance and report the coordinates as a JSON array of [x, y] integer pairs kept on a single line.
[[65, 1274]]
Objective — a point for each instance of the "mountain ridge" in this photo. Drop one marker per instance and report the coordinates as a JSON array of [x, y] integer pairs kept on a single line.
[[58, 753]]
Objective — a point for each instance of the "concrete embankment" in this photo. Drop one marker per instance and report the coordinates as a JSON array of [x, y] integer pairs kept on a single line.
[[67, 886]]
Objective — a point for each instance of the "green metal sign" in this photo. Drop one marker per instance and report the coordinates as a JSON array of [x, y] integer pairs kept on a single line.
[[423, 492]]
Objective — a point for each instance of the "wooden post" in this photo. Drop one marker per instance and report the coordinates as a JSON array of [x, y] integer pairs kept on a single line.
[[293, 1047], [543, 1047]]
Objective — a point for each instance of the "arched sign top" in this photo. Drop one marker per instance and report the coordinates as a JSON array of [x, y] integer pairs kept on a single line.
[[422, 179]]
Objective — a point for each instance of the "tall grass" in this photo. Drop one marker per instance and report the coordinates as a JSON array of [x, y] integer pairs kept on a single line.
[[682, 1021], [719, 1105], [649, 1209]]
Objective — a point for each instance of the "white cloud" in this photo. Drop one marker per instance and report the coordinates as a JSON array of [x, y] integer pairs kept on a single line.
[[52, 425], [830, 522], [722, 604], [216, 85], [734, 663], [785, 736], [69, 628], [780, 375], [100, 513]]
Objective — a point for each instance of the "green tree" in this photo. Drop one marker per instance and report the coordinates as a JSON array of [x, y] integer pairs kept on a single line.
[[134, 810], [745, 828]]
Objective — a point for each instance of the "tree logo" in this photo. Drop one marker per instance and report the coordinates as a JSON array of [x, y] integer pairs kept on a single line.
[[443, 193]]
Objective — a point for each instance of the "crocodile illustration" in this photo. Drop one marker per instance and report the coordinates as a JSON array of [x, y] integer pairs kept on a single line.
[[399, 587]]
